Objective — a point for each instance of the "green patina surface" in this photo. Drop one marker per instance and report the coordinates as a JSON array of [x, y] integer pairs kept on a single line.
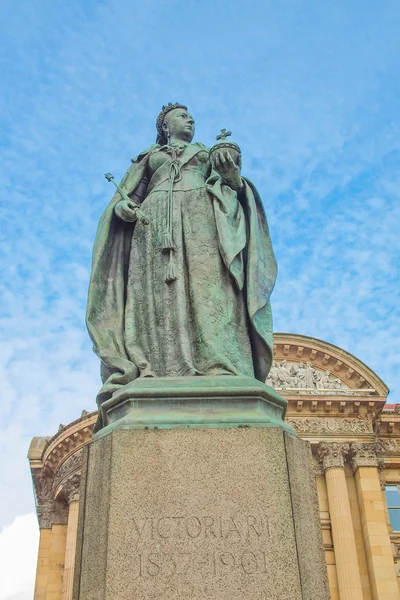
[[194, 402], [182, 288]]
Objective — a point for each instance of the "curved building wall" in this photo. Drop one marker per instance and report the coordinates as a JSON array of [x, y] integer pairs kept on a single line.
[[336, 403]]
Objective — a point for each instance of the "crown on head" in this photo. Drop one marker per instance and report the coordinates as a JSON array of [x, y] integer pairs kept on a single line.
[[165, 110]]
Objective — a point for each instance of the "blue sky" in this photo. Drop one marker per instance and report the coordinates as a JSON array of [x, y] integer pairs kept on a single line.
[[311, 93]]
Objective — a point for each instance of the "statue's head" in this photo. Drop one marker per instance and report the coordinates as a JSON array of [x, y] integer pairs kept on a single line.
[[174, 121]]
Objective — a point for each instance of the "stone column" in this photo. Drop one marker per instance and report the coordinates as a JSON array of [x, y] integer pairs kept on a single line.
[[349, 581], [56, 561], [44, 512], [373, 521], [71, 493], [43, 484]]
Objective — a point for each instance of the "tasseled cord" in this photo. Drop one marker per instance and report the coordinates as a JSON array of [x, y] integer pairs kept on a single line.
[[171, 273], [167, 243], [167, 238]]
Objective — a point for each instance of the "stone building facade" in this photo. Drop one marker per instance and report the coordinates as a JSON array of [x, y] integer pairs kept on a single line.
[[336, 403]]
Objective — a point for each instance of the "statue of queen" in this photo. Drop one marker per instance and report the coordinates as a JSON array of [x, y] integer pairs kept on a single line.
[[185, 291]]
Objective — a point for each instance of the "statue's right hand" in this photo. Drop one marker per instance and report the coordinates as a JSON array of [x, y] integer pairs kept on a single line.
[[127, 211]]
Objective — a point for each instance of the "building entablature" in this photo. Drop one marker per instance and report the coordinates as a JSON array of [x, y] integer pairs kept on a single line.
[[389, 424], [56, 465]]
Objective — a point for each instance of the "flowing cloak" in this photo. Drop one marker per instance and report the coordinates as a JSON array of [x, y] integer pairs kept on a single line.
[[245, 248]]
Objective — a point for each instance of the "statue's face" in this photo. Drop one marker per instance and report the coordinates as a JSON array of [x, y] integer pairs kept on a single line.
[[179, 124]]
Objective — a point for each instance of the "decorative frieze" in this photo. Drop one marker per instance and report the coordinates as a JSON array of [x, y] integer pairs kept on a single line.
[[388, 446], [331, 425], [333, 455], [363, 455]]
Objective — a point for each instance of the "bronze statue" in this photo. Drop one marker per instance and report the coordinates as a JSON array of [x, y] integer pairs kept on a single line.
[[181, 285]]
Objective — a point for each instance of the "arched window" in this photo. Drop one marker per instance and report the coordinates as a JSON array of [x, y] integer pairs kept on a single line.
[[393, 502]]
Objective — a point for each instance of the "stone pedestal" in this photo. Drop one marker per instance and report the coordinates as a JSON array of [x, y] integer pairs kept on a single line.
[[205, 402], [200, 513]]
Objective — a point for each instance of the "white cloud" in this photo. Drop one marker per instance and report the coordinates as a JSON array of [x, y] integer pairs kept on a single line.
[[18, 557]]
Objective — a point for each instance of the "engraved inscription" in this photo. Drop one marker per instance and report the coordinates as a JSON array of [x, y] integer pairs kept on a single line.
[[217, 527], [213, 545], [156, 563]]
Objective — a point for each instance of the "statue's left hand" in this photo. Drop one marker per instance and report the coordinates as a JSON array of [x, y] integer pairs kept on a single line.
[[226, 167]]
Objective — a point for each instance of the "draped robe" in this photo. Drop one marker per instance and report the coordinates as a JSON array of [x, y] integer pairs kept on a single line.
[[215, 318]]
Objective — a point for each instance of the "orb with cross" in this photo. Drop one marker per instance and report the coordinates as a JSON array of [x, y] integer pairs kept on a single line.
[[223, 145]]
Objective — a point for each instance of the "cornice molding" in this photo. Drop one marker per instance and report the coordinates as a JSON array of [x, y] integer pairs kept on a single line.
[[339, 407], [68, 440], [389, 424]]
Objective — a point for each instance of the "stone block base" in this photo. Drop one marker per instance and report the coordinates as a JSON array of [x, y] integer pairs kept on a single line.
[[200, 514]]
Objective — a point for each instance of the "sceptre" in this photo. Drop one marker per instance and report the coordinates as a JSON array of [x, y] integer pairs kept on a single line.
[[141, 216]]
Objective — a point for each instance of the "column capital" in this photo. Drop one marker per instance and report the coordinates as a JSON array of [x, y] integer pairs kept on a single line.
[[71, 486], [44, 514], [333, 455], [363, 455]]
